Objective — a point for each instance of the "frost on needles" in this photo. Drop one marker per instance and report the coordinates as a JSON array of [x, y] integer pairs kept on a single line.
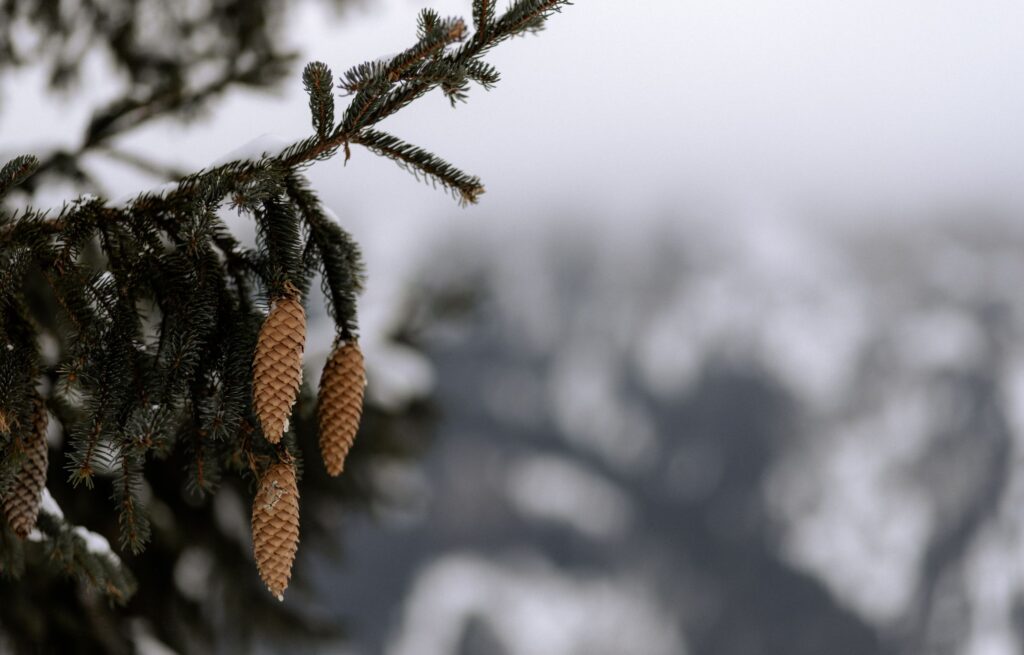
[[172, 336]]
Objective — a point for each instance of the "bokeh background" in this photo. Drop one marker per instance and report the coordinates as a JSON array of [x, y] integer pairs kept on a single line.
[[728, 360]]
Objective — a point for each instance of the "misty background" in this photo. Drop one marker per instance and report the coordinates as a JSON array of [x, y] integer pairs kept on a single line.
[[727, 360]]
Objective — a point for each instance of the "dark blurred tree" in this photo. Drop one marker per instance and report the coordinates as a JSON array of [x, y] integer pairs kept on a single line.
[[172, 58], [134, 329]]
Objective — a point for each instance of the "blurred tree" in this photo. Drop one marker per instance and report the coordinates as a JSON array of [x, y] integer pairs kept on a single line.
[[142, 330], [172, 59]]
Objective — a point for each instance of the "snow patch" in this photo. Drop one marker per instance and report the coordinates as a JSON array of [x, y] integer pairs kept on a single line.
[[532, 608], [48, 505], [263, 146], [96, 544], [146, 643], [400, 374], [329, 213], [124, 201], [557, 489], [192, 573]]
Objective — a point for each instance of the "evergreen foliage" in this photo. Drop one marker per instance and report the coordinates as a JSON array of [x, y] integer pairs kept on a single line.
[[155, 308]]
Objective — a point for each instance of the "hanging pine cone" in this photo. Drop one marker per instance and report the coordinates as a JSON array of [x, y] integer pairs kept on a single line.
[[21, 502], [277, 366], [275, 526], [340, 404]]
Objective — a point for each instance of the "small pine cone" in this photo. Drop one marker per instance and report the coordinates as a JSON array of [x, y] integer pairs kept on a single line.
[[340, 404], [275, 526], [21, 503], [277, 366]]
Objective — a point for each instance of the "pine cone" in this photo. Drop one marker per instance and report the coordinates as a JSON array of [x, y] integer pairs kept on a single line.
[[21, 502], [275, 526], [340, 404], [277, 367]]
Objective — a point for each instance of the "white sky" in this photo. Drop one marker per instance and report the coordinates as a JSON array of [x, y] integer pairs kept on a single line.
[[657, 106]]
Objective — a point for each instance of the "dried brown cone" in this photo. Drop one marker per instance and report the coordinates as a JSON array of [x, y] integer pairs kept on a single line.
[[21, 502], [275, 526], [340, 404], [277, 366]]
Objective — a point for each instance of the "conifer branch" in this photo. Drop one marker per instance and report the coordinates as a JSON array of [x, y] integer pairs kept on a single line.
[[339, 257], [381, 89], [133, 522], [421, 163], [15, 171], [483, 17], [527, 16], [172, 336], [316, 78], [435, 36]]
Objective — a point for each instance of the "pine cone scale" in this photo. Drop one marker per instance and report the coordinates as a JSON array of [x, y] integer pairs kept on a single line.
[[340, 404], [275, 526], [21, 502], [277, 365]]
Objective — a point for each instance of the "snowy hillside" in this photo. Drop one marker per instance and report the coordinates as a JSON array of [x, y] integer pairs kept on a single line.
[[707, 440]]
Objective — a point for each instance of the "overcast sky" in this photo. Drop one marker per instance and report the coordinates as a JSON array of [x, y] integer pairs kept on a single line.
[[666, 107]]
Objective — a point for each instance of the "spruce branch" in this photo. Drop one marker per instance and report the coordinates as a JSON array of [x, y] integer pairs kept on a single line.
[[15, 171], [79, 553], [319, 84], [527, 16], [483, 17], [338, 256], [422, 164], [381, 89], [132, 520], [363, 75], [483, 74], [435, 35], [169, 330], [278, 231]]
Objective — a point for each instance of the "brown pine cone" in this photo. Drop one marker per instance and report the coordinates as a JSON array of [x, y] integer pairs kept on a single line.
[[275, 526], [277, 366], [21, 502], [340, 404]]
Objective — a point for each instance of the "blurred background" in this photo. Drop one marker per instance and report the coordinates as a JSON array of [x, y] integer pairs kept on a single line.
[[728, 360]]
